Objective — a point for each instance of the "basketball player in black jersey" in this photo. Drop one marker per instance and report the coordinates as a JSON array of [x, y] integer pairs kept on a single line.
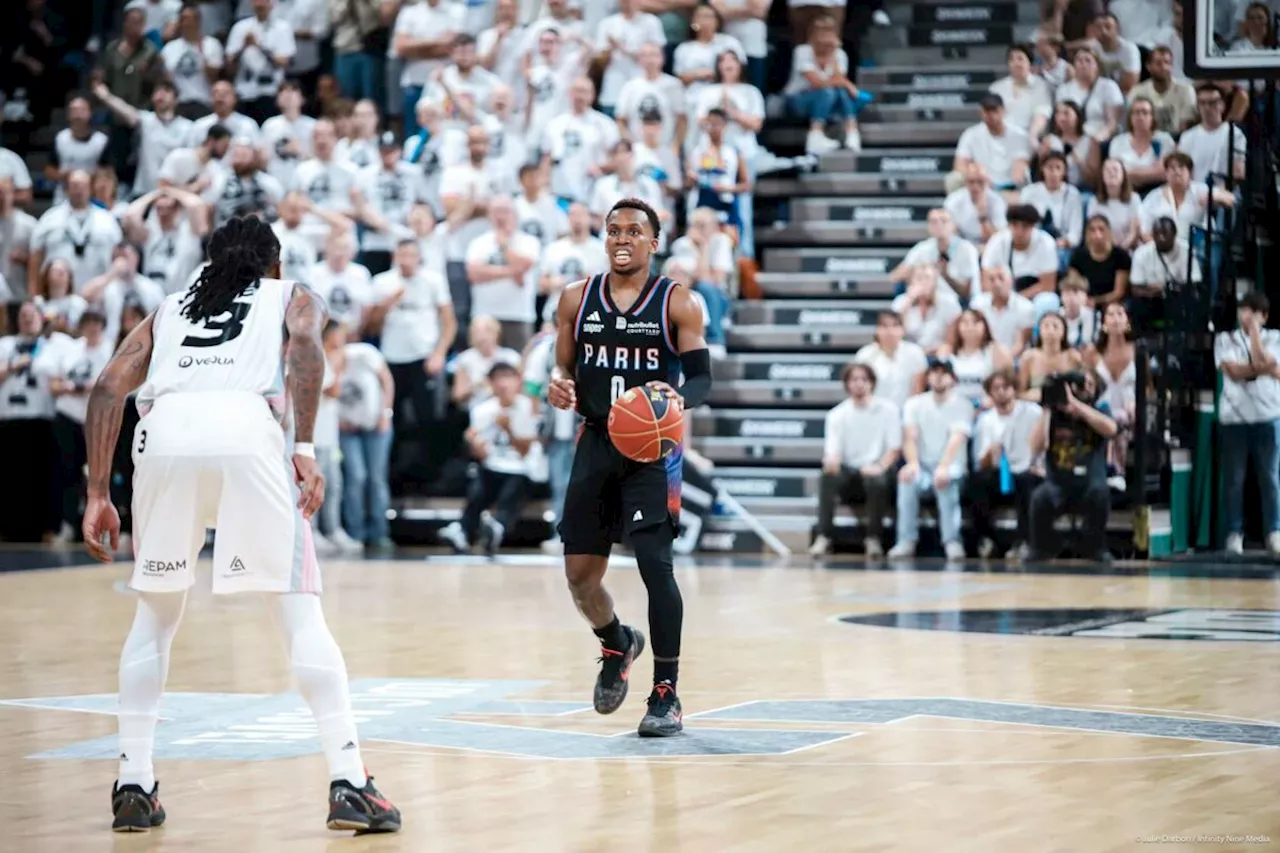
[[614, 332]]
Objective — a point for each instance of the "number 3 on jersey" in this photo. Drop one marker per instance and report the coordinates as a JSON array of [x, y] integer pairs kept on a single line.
[[227, 327], [617, 387]]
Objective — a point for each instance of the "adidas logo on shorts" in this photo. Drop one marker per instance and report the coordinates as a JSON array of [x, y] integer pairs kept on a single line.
[[639, 516]]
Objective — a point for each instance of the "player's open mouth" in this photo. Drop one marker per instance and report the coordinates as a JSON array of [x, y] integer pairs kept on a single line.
[[622, 256]]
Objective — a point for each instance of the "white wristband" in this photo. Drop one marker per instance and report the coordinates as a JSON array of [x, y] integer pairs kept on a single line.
[[306, 449]]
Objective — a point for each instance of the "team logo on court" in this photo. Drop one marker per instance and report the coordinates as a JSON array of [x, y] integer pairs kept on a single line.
[[460, 715], [1223, 625]]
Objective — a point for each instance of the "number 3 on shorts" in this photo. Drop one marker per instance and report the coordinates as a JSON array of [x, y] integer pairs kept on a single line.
[[617, 387], [142, 440]]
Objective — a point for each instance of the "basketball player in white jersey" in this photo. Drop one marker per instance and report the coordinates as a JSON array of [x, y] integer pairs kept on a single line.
[[223, 367]]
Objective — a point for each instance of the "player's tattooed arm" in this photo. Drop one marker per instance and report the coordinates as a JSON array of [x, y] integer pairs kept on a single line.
[[304, 321], [120, 378]]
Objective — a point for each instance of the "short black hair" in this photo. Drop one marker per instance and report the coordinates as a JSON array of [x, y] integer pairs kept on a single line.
[[463, 39], [642, 206], [719, 113], [217, 133], [858, 367], [164, 84], [1024, 214], [1256, 301], [1050, 157]]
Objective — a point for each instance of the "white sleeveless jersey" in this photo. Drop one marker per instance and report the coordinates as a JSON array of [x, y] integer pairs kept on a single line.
[[240, 350]]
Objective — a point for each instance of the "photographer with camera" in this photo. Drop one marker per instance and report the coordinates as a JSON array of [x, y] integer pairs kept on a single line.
[[1073, 433]]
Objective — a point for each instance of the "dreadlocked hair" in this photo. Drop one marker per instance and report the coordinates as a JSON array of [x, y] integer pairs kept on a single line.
[[240, 253]]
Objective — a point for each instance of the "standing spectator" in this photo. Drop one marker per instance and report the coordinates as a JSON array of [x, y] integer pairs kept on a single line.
[[1115, 360], [1119, 59], [1141, 149], [499, 46], [170, 225], [75, 231], [820, 89], [471, 367], [717, 175], [740, 101], [161, 130], [1181, 199], [76, 146], [345, 286], [805, 14], [501, 268], [1103, 265], [193, 61], [462, 77], [436, 147], [309, 20], [1250, 415], [648, 92], [559, 427], [707, 248], [1071, 18], [1117, 202], [244, 189], [1099, 98], [549, 76], [1030, 254], [574, 257], [1002, 439], [508, 149], [56, 298], [1142, 20], [365, 411], [194, 169], [14, 170], [1002, 150], [926, 312], [502, 432], [974, 355], [977, 210], [576, 144], [360, 41], [1160, 265], [327, 521], [898, 364], [120, 286], [287, 135], [1170, 36], [862, 441], [1059, 204], [26, 425], [224, 113], [538, 213], [1066, 136], [129, 66], [259, 49], [1173, 101], [388, 193], [1214, 143], [297, 253], [328, 182], [695, 59], [1027, 98], [568, 25], [1050, 354], [1051, 66], [411, 312], [423, 39], [618, 43], [360, 148], [16, 231], [955, 259], [466, 189], [34, 44], [935, 447], [1009, 315], [745, 20]]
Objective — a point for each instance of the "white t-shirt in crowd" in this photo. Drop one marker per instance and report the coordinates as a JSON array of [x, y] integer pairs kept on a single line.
[[25, 394], [1122, 149], [1064, 207], [929, 330], [361, 152], [169, 257], [1012, 432], [258, 76], [575, 143], [476, 365], [73, 359], [328, 185], [631, 34], [65, 310], [965, 213], [1251, 401], [479, 83], [1125, 59], [694, 55], [996, 154], [466, 181], [506, 299], [506, 64], [859, 435], [424, 21], [503, 458], [1040, 257], [186, 64], [611, 189], [1142, 20], [277, 133], [542, 219], [720, 252], [311, 16], [1023, 104], [1095, 100], [1208, 150], [896, 374], [12, 166], [962, 261], [141, 290], [297, 253], [803, 61], [574, 261], [325, 433], [361, 404], [1192, 212], [392, 195], [157, 140], [241, 195], [237, 124], [432, 158], [85, 239], [412, 327], [1152, 268], [346, 292], [664, 96], [1081, 329], [547, 93], [753, 33], [936, 421], [1007, 324], [745, 98], [1120, 214]]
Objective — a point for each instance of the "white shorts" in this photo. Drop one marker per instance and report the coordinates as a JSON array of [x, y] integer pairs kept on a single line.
[[217, 461]]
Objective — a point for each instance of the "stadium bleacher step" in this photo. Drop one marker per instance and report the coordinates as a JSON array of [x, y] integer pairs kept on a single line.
[[857, 220], [788, 312], [778, 380], [760, 435], [896, 162], [924, 106], [925, 77], [788, 137], [979, 55], [963, 11], [971, 35], [854, 183], [792, 338]]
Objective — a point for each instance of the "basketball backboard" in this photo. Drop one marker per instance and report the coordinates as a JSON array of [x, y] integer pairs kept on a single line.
[[1231, 39]]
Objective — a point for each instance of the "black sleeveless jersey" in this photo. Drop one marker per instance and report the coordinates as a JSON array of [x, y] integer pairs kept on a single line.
[[618, 350]]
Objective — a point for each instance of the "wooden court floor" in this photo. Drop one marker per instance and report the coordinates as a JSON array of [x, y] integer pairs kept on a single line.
[[968, 712]]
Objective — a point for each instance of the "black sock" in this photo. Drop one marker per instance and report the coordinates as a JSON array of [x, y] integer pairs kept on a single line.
[[666, 670], [614, 638]]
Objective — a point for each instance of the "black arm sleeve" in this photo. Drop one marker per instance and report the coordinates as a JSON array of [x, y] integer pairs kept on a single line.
[[697, 377]]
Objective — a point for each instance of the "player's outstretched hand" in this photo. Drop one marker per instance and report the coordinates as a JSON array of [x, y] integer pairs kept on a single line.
[[101, 521], [563, 393], [310, 482]]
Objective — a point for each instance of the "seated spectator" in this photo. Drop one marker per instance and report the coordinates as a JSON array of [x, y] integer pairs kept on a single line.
[[245, 189], [1009, 316], [161, 131], [508, 148], [170, 225], [1160, 265], [1100, 100], [652, 91], [1059, 204], [76, 146], [366, 408], [717, 174], [977, 210], [926, 311], [462, 80], [619, 40], [820, 90], [549, 76], [1255, 29], [1117, 202], [1073, 436], [259, 49], [26, 422], [224, 113], [1080, 316], [344, 285], [935, 448], [502, 432], [470, 368], [501, 266], [803, 15], [1170, 35], [1103, 265], [56, 299], [623, 181], [15, 172], [694, 60], [1027, 97], [388, 192], [576, 144], [1250, 414], [1119, 58], [105, 189], [326, 524], [955, 259], [1005, 469], [194, 169], [1142, 20], [194, 62], [1114, 359], [1214, 145], [745, 20], [898, 364], [1049, 354], [1000, 148], [121, 284], [16, 229], [574, 257], [1072, 18], [1184, 201], [1141, 148], [76, 231], [1066, 136], [1051, 66], [1173, 101], [437, 147], [1030, 254], [974, 355], [712, 301], [297, 253], [862, 440], [708, 247], [659, 161], [538, 213]]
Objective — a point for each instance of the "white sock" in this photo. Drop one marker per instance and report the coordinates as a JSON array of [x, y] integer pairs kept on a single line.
[[144, 665], [322, 679]]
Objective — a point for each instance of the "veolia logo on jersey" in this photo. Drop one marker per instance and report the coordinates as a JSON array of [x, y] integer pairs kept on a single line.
[[207, 361]]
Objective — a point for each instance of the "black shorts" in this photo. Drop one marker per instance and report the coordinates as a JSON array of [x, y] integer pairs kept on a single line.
[[609, 495]]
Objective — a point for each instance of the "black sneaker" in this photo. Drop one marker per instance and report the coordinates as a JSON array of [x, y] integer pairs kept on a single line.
[[363, 809], [615, 669], [664, 717], [135, 810], [493, 535]]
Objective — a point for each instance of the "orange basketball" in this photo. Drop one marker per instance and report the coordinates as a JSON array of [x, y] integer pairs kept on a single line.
[[644, 425]]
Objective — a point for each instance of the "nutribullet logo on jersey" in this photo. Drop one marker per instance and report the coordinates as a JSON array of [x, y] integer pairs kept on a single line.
[[207, 361]]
